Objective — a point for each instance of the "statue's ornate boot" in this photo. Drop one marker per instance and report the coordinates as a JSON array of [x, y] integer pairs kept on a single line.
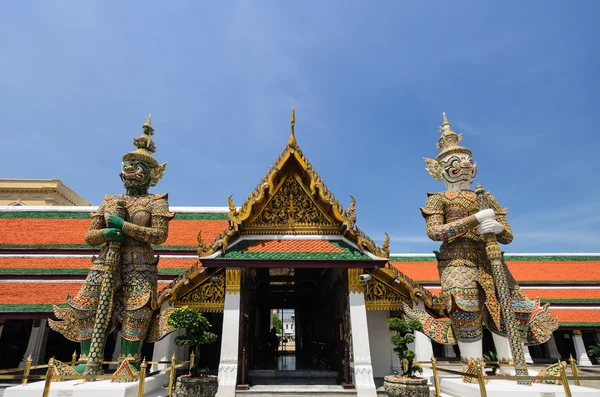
[[129, 359], [83, 356]]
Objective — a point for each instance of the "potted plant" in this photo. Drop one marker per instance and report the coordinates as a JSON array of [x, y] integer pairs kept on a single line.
[[491, 362], [594, 351], [196, 334], [407, 384]]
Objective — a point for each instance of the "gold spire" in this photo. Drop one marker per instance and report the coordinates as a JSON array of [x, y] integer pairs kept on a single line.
[[444, 118], [292, 140], [448, 141], [147, 127]]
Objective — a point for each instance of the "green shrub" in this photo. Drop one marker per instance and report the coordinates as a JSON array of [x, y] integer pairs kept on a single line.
[[196, 334], [403, 335]]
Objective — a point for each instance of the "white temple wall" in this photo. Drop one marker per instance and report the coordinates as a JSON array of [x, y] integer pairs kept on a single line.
[[379, 342]]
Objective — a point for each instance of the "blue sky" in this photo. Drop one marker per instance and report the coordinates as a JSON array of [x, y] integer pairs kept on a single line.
[[369, 81]]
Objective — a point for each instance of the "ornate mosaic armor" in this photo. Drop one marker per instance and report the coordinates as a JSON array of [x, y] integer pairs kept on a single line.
[[135, 292], [468, 289]]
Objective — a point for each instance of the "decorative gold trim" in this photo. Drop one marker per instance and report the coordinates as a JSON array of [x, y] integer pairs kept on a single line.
[[207, 296], [408, 288], [169, 293], [219, 243], [576, 332], [233, 280], [291, 162], [291, 210], [354, 285], [381, 296]]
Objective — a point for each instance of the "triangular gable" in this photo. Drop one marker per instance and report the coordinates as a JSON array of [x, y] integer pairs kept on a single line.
[[292, 199]]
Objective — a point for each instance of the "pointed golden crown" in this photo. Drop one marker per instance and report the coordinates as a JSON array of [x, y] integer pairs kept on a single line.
[[144, 149], [448, 142], [144, 145]]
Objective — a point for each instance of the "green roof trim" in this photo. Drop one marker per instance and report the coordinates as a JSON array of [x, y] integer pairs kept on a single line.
[[45, 215], [509, 258], [86, 215], [436, 283], [412, 259], [40, 246], [579, 324], [76, 271], [567, 300], [191, 248], [28, 308], [553, 258], [203, 217], [237, 252]]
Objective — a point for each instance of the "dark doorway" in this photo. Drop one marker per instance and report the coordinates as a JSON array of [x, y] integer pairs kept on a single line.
[[13, 343], [312, 301]]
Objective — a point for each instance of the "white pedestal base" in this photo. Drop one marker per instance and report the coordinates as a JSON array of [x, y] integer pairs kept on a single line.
[[103, 388], [503, 388]]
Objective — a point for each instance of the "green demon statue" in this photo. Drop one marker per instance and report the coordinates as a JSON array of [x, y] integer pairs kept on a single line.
[[120, 290]]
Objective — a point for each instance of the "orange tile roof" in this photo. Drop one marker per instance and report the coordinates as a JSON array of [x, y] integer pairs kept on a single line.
[[292, 246], [43, 231], [557, 295], [577, 316], [418, 271], [564, 294], [80, 263], [523, 271], [35, 293], [555, 270], [185, 232], [56, 231]]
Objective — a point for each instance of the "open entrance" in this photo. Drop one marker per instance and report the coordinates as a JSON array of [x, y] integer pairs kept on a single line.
[[311, 305]]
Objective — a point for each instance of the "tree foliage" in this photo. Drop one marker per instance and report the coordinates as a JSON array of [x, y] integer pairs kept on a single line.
[[403, 335], [594, 351], [491, 360], [196, 328], [277, 323]]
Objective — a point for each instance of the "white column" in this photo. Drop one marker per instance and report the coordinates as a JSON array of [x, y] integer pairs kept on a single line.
[[165, 348], [502, 347], [528, 358], [449, 351], [423, 347], [582, 357], [1, 326], [37, 343], [116, 351], [363, 372], [379, 342], [228, 366], [553, 349]]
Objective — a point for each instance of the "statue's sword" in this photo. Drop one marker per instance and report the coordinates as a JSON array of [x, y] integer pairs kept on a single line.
[[106, 302], [494, 255]]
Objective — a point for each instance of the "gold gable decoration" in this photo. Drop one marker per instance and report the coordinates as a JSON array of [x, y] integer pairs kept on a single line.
[[207, 297], [381, 296], [391, 276], [291, 198], [180, 286], [291, 211]]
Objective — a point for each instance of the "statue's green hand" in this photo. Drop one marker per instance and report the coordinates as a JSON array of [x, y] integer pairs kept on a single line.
[[113, 234], [114, 222]]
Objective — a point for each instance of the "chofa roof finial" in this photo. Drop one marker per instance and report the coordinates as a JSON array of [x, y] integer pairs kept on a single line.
[[292, 140]]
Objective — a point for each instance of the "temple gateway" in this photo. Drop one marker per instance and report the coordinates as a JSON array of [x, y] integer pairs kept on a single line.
[[289, 247]]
